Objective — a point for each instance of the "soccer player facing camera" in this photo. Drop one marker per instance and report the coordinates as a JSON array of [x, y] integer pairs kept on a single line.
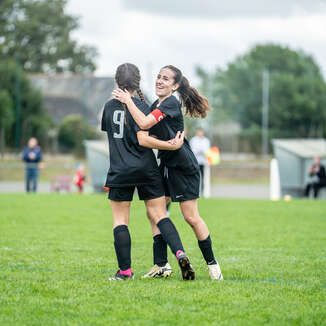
[[179, 168], [133, 164]]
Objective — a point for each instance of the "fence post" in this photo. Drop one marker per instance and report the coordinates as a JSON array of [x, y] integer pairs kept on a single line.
[[207, 181]]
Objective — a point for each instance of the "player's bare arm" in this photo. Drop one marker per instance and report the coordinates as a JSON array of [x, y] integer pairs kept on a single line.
[[142, 120], [150, 142]]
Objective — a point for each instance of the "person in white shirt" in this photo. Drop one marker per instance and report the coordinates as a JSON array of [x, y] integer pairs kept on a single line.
[[200, 145]]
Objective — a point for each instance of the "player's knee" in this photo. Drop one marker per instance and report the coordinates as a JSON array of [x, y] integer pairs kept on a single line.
[[192, 220], [155, 219], [150, 212], [155, 215], [120, 221], [149, 215]]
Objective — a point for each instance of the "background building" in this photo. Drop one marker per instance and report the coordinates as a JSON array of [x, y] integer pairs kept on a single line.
[[73, 94]]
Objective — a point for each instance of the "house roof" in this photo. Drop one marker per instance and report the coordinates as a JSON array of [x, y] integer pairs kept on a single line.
[[302, 147], [68, 94]]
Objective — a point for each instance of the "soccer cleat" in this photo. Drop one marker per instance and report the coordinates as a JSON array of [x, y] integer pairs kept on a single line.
[[158, 271], [215, 272], [186, 269], [120, 277]]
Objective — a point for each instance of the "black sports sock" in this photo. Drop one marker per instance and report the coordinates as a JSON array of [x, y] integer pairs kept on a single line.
[[160, 250], [122, 245], [207, 250], [170, 234]]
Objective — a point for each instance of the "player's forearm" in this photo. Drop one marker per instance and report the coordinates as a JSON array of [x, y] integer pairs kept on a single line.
[[140, 118], [153, 143]]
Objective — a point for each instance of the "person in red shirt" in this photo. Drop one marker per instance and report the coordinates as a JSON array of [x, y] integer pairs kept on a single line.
[[79, 178]]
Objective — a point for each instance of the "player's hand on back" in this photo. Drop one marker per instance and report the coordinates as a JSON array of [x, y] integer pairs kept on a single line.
[[177, 141], [121, 95]]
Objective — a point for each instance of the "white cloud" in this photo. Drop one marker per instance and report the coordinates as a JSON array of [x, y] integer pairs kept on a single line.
[[151, 41], [226, 9]]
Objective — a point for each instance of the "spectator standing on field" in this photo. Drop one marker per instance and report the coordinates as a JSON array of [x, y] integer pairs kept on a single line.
[[318, 175], [200, 145], [32, 156]]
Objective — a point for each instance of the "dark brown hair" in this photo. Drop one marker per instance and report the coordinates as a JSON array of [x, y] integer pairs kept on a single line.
[[196, 105], [127, 77]]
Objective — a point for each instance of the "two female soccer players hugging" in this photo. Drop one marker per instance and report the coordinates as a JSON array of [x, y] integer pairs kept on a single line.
[[177, 178]]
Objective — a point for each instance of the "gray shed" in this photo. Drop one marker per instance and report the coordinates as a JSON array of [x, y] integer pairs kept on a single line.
[[97, 153], [294, 157]]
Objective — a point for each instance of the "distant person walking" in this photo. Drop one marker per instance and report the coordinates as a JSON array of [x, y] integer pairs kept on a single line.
[[32, 155], [200, 145], [318, 175]]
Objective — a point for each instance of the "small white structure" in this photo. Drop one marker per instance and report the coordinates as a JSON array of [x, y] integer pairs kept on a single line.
[[274, 182], [294, 157], [207, 181], [97, 153]]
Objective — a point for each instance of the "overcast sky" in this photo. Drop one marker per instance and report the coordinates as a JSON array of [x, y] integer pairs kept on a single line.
[[184, 33]]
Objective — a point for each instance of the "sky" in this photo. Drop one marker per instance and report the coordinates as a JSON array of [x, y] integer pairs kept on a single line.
[[186, 33]]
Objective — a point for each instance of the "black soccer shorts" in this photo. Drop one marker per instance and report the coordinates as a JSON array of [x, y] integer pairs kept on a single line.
[[179, 185], [145, 192]]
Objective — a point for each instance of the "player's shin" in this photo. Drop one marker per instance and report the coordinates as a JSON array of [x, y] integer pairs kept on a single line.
[[122, 244], [160, 250], [170, 235], [213, 266], [207, 250]]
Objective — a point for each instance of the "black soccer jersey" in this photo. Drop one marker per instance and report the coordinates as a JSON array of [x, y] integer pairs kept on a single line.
[[130, 163], [166, 129]]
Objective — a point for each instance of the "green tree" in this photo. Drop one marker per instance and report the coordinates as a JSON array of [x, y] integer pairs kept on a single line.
[[6, 116], [297, 92], [209, 87], [32, 119], [39, 31], [73, 130]]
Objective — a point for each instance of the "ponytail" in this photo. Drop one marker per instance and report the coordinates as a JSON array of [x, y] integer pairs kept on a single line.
[[195, 104], [127, 77], [140, 94]]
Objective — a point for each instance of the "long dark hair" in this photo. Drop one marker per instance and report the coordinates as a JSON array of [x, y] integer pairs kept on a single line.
[[127, 77], [195, 104]]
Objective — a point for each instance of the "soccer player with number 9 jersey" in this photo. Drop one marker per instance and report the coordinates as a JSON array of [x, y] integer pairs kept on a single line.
[[180, 168], [133, 165]]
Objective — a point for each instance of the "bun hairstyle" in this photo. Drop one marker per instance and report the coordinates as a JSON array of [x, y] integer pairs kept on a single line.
[[127, 77], [195, 104]]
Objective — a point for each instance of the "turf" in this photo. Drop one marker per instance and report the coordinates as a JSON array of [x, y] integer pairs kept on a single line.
[[56, 253]]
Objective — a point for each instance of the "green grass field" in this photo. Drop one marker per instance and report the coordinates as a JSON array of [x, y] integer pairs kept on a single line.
[[56, 253]]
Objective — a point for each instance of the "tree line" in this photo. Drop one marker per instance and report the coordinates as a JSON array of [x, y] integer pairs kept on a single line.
[[35, 37], [297, 94]]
